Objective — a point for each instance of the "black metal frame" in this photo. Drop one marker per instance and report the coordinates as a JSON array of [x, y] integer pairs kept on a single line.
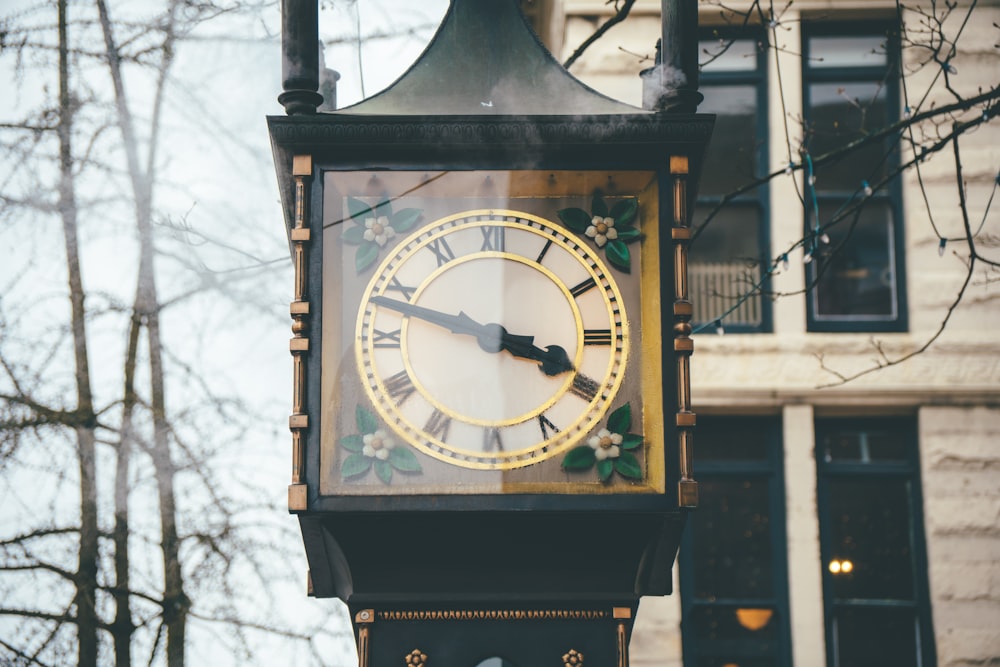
[[368, 528]]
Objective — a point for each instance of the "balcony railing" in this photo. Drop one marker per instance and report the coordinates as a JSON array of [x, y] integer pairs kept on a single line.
[[718, 286]]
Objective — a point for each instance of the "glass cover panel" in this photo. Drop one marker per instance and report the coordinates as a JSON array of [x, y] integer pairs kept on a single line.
[[732, 155], [732, 539], [871, 547], [725, 264], [857, 273], [482, 328], [875, 637], [841, 113], [847, 51]]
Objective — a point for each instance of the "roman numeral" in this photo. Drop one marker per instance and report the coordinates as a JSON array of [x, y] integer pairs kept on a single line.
[[584, 387], [597, 336], [548, 428], [587, 284], [438, 425], [545, 249], [442, 251], [397, 286], [386, 338], [399, 386], [492, 441], [494, 237]]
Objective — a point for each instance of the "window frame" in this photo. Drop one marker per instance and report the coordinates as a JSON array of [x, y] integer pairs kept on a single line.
[[759, 197], [909, 470], [892, 196], [771, 468]]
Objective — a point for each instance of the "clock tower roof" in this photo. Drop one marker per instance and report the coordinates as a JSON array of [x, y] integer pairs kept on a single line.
[[485, 60]]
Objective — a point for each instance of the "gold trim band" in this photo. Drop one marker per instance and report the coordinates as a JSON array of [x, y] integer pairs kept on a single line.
[[494, 615], [687, 487], [298, 421]]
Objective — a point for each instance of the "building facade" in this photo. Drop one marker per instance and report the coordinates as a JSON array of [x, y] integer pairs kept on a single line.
[[850, 504]]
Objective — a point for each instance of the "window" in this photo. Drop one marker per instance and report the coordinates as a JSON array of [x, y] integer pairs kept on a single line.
[[872, 544], [853, 209], [734, 590], [730, 256]]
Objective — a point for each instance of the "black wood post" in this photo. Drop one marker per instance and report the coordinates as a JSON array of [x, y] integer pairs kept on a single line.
[[300, 57]]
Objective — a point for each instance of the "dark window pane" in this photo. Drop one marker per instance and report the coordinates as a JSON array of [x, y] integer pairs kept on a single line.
[[732, 539], [727, 55], [725, 265], [841, 113], [732, 156], [733, 438], [875, 637], [847, 51], [870, 529], [726, 635], [881, 446], [857, 269]]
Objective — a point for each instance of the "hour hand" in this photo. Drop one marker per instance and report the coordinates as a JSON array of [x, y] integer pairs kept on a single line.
[[553, 360]]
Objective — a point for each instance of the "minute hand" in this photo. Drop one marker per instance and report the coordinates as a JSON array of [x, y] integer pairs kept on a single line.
[[491, 337]]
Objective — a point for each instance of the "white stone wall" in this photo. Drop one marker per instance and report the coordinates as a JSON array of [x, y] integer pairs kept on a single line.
[[953, 387]]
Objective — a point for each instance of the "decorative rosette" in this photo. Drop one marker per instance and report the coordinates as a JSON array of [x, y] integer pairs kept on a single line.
[[609, 229], [374, 227], [610, 449], [371, 448]]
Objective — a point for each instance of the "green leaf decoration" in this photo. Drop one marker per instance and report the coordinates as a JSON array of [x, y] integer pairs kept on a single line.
[[604, 469], [624, 212], [354, 234], [352, 443], [575, 218], [354, 465], [620, 419], [628, 466], [404, 220], [628, 234], [403, 459], [367, 253], [618, 255], [579, 458], [598, 206], [366, 420], [383, 470], [359, 210], [631, 441], [384, 207]]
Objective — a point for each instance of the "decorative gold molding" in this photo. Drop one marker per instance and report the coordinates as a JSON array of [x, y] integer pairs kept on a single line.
[[572, 658], [363, 620], [298, 422], [687, 488], [493, 615], [416, 658]]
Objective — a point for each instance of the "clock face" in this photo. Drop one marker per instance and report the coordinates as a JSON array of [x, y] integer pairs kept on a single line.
[[490, 332], [492, 339]]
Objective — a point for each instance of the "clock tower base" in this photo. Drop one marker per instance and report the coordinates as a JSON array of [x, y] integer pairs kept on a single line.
[[560, 634]]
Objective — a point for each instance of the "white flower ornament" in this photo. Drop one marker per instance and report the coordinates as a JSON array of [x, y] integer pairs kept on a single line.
[[606, 445], [378, 230], [602, 229], [377, 445]]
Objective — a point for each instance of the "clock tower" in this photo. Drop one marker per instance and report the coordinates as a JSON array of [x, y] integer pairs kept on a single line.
[[491, 424]]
